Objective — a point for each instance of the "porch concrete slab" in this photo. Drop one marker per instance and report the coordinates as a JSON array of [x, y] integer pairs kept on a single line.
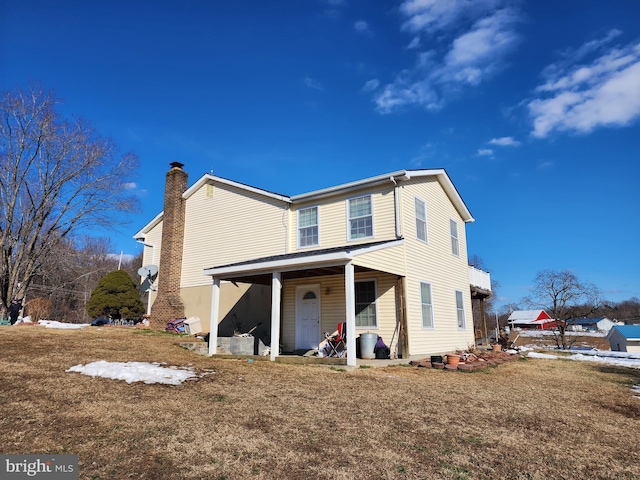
[[201, 348]]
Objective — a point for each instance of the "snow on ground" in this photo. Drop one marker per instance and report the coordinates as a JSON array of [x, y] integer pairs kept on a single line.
[[55, 324], [541, 355], [620, 359], [550, 333], [136, 372]]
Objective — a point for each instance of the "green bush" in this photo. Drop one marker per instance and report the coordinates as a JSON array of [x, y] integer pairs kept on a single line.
[[115, 296]]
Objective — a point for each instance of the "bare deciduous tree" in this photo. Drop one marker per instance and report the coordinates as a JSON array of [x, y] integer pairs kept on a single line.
[[57, 176], [565, 298]]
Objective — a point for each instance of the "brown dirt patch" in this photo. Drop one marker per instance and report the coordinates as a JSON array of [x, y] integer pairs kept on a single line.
[[530, 419]]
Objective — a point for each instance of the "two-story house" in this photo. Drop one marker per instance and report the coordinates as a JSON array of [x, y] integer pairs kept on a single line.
[[386, 254]]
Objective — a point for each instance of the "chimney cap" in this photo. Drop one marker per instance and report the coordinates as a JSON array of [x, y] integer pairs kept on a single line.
[[177, 165]]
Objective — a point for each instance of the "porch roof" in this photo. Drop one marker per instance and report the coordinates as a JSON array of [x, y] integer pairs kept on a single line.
[[325, 261]]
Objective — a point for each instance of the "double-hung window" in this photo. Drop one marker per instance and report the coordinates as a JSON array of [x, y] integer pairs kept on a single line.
[[460, 309], [455, 244], [421, 219], [426, 299], [360, 217], [365, 293], [308, 227]]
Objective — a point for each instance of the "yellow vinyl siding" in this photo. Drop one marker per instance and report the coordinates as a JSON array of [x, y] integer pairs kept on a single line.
[[231, 226], [391, 260], [332, 306], [433, 262], [332, 218]]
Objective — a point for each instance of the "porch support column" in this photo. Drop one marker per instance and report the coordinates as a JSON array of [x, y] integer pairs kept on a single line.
[[276, 289], [213, 321], [350, 313]]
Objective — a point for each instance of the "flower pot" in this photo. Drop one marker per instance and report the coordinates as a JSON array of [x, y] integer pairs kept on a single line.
[[497, 347], [453, 359]]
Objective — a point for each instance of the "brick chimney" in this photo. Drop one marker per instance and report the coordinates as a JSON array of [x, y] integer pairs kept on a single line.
[[168, 304]]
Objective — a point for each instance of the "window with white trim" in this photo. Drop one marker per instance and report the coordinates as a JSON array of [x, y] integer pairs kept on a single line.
[[426, 300], [366, 309], [455, 244], [360, 217], [460, 309], [308, 227], [421, 219]]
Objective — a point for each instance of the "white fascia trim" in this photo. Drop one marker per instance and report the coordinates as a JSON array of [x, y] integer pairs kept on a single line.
[[142, 234], [290, 264], [207, 177], [325, 192], [365, 250], [338, 258]]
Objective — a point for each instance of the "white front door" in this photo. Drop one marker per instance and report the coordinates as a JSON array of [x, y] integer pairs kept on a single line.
[[307, 316]]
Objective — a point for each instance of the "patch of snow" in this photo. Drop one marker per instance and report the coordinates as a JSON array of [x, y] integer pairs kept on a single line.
[[619, 359], [551, 333], [56, 324], [136, 372], [541, 355]]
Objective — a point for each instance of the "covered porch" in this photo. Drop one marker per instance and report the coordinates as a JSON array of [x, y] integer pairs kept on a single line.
[[324, 279]]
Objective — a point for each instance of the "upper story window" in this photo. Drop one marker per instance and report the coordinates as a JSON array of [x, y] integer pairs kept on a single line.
[[460, 309], [427, 305], [455, 243], [360, 217], [421, 219], [308, 227]]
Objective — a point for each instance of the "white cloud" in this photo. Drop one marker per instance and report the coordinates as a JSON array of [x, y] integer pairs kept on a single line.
[[415, 43], [371, 85], [130, 186], [544, 165], [475, 37], [314, 84], [485, 152], [437, 15], [581, 97], [477, 53], [335, 8], [362, 27], [504, 142]]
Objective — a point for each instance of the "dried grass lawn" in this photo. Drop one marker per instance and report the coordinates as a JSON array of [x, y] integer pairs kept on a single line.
[[531, 419]]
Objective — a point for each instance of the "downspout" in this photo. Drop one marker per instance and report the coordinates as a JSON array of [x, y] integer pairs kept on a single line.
[[152, 247], [396, 202], [285, 224], [396, 205]]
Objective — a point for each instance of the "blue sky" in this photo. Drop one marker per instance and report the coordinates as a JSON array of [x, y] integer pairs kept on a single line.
[[532, 107]]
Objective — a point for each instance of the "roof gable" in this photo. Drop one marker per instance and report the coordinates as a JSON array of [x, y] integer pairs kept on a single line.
[[528, 316], [395, 178], [630, 332]]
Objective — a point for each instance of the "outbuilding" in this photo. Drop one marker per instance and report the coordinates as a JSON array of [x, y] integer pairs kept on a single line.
[[624, 338]]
